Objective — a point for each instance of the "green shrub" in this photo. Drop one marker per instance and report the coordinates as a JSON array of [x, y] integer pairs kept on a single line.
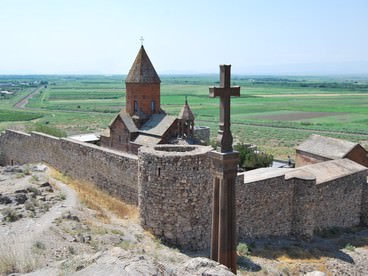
[[27, 171], [350, 247], [62, 196], [72, 250], [35, 192], [39, 127], [125, 244], [29, 206], [10, 215], [249, 159], [242, 249]]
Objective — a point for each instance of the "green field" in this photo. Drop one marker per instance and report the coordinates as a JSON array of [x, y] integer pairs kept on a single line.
[[276, 113]]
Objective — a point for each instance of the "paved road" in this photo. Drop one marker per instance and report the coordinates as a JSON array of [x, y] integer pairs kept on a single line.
[[21, 104]]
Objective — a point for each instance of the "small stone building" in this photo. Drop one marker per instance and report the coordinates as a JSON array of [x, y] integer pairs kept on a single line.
[[143, 122], [319, 148], [186, 122]]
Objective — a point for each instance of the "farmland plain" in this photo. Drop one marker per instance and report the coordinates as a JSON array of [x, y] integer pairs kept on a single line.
[[275, 113]]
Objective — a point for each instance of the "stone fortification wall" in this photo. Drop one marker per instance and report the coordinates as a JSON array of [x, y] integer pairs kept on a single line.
[[175, 194], [264, 207], [338, 202], [365, 203], [297, 202], [173, 188], [202, 133], [302, 216], [11, 143], [113, 172]]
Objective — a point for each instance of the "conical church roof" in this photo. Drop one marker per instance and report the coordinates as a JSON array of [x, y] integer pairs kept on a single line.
[[186, 113], [142, 70]]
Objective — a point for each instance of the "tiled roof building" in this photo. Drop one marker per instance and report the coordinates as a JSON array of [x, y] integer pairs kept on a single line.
[[319, 148]]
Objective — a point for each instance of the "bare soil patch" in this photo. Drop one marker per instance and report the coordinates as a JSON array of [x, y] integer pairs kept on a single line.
[[295, 116]]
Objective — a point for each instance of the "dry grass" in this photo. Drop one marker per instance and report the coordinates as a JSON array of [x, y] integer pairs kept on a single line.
[[291, 254], [96, 199], [292, 257], [15, 258]]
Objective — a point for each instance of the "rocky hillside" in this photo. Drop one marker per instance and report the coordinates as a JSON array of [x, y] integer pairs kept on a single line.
[[46, 230], [50, 228]]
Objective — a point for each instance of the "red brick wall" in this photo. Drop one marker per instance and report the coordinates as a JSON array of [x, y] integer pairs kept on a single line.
[[143, 93]]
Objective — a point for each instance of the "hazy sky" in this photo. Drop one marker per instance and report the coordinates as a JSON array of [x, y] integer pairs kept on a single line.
[[259, 36]]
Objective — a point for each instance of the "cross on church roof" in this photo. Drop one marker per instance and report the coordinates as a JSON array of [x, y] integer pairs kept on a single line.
[[225, 91], [141, 39]]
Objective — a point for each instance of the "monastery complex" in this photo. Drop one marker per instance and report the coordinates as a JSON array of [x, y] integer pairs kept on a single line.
[[158, 162]]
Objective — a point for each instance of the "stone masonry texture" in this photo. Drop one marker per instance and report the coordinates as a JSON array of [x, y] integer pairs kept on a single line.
[[175, 194], [365, 203], [338, 202], [302, 216], [112, 171], [263, 207], [172, 186], [202, 133]]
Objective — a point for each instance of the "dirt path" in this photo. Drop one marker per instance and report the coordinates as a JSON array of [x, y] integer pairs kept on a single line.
[[21, 104], [26, 232]]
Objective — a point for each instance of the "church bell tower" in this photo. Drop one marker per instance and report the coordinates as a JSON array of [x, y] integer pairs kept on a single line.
[[142, 89]]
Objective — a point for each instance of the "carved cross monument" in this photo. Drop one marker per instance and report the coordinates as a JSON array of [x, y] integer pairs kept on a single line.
[[224, 163], [224, 137]]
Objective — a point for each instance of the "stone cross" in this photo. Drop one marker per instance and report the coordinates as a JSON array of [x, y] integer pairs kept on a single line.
[[225, 91], [224, 164]]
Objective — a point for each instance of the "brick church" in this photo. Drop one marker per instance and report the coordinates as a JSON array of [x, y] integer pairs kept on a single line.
[[143, 122]]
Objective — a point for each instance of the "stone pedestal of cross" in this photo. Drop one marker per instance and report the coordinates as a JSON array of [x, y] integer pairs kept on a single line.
[[224, 163]]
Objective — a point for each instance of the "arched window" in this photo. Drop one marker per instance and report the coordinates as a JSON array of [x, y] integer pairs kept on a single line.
[[153, 106], [135, 106]]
